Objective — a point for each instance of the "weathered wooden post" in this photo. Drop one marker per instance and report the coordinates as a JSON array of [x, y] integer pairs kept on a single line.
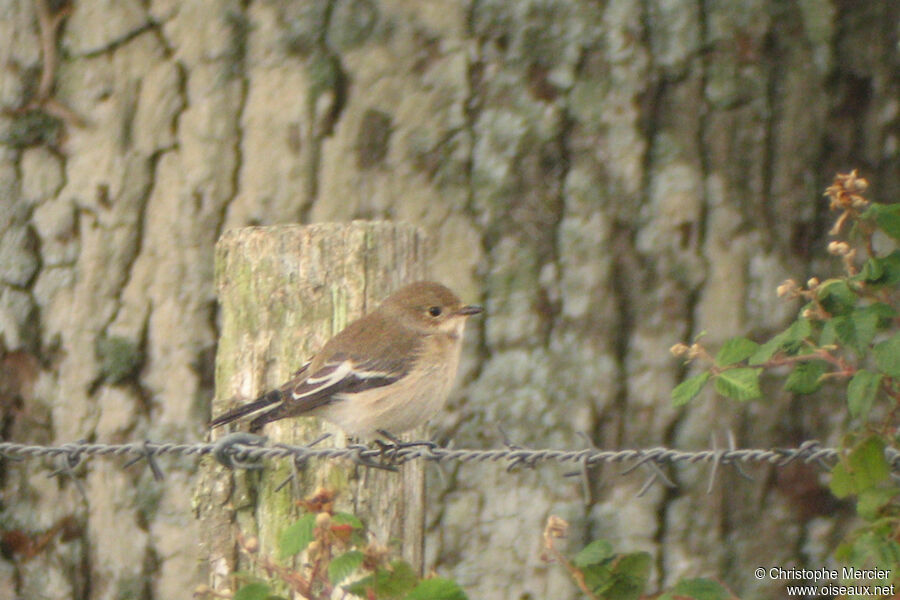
[[284, 291]]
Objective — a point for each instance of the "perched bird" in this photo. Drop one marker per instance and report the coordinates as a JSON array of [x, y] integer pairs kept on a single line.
[[388, 371]]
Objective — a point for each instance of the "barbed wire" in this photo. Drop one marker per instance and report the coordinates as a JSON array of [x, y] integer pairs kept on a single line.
[[247, 451]]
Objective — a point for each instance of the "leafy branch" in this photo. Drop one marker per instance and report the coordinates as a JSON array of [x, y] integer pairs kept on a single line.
[[846, 332], [847, 328], [603, 574], [334, 556]]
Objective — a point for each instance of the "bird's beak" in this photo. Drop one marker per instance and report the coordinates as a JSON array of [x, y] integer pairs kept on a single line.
[[469, 310]]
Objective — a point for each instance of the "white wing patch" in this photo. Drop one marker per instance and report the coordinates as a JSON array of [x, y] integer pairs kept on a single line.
[[338, 375]]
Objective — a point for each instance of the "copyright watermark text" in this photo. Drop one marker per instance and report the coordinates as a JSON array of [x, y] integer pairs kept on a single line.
[[846, 581]]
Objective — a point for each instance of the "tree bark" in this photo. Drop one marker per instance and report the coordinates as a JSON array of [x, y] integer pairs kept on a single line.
[[608, 178], [284, 291]]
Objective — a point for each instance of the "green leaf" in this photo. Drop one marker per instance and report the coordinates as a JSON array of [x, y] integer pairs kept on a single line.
[[885, 312], [864, 468], [806, 377], [629, 576], [343, 565], [867, 463], [872, 501], [739, 384], [619, 576], [836, 296], [394, 582], [595, 552], [344, 518], [887, 355], [841, 484], [688, 389], [829, 334], [871, 271], [886, 216], [790, 340], [882, 271], [357, 529], [854, 331], [252, 591], [766, 351], [297, 537], [865, 322], [437, 588], [861, 392], [735, 350], [870, 549], [798, 331], [597, 577], [699, 588]]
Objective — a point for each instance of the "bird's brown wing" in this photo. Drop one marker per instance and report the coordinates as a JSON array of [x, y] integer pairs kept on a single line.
[[264, 401], [334, 371]]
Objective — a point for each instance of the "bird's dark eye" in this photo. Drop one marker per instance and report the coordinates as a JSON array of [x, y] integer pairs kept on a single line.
[[435, 311]]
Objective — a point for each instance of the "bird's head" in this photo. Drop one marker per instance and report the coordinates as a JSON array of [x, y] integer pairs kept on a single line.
[[430, 307]]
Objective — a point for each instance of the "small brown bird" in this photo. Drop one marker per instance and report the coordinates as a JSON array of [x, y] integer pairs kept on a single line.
[[390, 370]]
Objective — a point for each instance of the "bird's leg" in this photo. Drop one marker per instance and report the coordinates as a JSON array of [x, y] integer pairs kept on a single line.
[[397, 444], [364, 461]]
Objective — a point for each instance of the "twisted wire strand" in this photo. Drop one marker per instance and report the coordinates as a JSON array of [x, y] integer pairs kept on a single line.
[[244, 450]]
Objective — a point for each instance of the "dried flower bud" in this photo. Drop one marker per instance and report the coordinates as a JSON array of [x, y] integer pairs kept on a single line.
[[838, 248], [845, 192], [857, 184], [679, 349], [858, 202], [323, 520], [555, 528], [787, 288]]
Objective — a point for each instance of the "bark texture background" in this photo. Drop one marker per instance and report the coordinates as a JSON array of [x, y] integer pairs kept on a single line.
[[607, 177]]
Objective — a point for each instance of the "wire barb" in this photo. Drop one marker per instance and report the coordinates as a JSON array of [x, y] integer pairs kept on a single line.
[[298, 463], [68, 457], [151, 461]]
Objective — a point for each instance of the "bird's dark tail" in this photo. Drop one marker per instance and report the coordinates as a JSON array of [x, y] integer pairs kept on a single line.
[[273, 414], [263, 403]]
